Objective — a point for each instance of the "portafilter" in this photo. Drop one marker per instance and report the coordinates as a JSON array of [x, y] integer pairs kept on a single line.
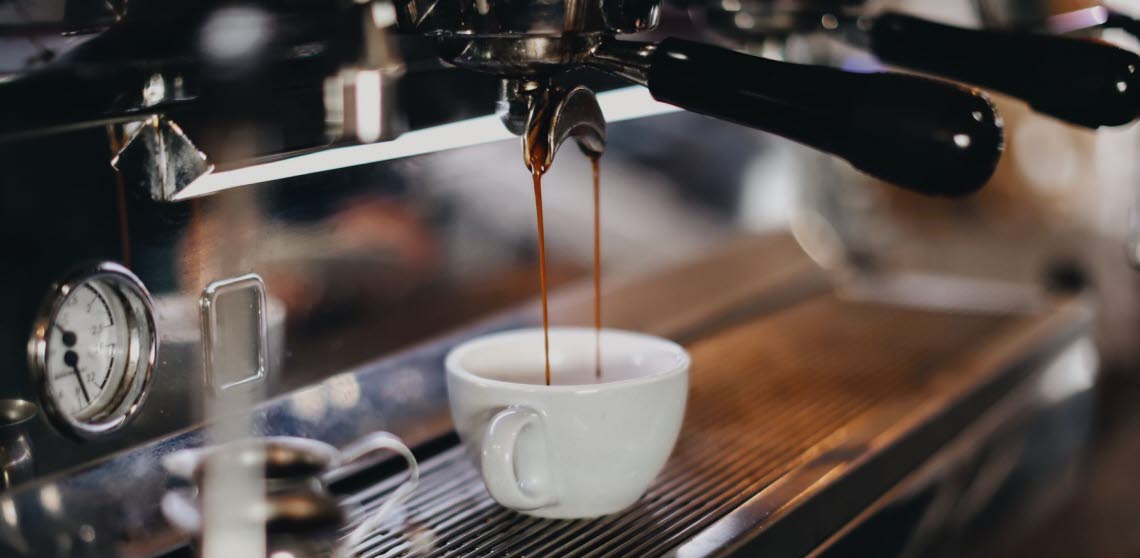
[[928, 136]]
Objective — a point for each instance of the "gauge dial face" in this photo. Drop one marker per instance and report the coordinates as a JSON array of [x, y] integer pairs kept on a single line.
[[93, 349], [87, 350]]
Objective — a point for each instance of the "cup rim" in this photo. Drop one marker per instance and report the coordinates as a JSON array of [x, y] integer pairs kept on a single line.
[[452, 366]]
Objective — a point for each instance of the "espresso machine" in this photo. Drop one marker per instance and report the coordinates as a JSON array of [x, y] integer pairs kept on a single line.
[[255, 229]]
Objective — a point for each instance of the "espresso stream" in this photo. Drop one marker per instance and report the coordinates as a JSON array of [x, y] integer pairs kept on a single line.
[[538, 168], [597, 270]]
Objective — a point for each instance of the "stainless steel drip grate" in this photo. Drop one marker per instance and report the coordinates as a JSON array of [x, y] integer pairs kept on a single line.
[[763, 395]]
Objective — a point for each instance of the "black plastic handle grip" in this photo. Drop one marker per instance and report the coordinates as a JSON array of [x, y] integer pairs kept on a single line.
[[1117, 20], [1081, 81], [927, 136]]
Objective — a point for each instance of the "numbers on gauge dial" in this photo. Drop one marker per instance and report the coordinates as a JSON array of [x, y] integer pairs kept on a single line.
[[86, 350]]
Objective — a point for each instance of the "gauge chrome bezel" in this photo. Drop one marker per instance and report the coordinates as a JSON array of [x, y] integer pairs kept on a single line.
[[142, 350]]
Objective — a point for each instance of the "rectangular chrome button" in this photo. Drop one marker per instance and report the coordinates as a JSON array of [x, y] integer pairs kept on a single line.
[[234, 331]]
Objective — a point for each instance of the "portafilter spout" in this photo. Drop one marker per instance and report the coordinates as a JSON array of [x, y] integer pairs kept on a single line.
[[546, 115]]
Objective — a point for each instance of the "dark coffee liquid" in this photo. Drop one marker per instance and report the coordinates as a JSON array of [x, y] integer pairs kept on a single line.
[[594, 158], [536, 177], [538, 152]]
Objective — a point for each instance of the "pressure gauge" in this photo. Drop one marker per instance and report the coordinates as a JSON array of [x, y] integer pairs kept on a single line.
[[92, 350]]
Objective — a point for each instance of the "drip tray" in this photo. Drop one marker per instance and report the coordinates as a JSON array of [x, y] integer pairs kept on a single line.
[[767, 397]]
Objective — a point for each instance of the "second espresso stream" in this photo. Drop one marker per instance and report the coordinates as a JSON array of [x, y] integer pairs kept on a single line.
[[538, 168]]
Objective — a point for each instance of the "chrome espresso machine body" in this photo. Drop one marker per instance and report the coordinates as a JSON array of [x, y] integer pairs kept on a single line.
[[279, 216]]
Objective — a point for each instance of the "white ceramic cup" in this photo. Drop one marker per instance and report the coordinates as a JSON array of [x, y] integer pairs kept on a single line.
[[577, 448]]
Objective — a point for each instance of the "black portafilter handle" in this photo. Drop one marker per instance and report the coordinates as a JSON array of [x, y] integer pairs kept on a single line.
[[1081, 81], [1117, 20], [923, 135]]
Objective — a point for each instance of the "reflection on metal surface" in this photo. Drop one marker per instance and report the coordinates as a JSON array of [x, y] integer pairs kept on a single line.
[[309, 404], [16, 458], [278, 456], [236, 35], [235, 331], [358, 103], [528, 18], [51, 500], [630, 60], [13, 540], [344, 391], [619, 104], [184, 354], [406, 384], [1078, 20], [1011, 14], [945, 292], [524, 38], [299, 514], [160, 159], [968, 477], [819, 239], [1074, 372]]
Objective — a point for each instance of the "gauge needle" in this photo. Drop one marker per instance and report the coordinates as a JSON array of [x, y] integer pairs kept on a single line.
[[71, 358], [69, 337]]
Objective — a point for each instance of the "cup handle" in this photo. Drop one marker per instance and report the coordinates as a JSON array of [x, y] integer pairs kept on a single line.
[[372, 443], [498, 460]]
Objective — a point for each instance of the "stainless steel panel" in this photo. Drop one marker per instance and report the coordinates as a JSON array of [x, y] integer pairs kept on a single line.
[[796, 421], [357, 264], [117, 499]]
